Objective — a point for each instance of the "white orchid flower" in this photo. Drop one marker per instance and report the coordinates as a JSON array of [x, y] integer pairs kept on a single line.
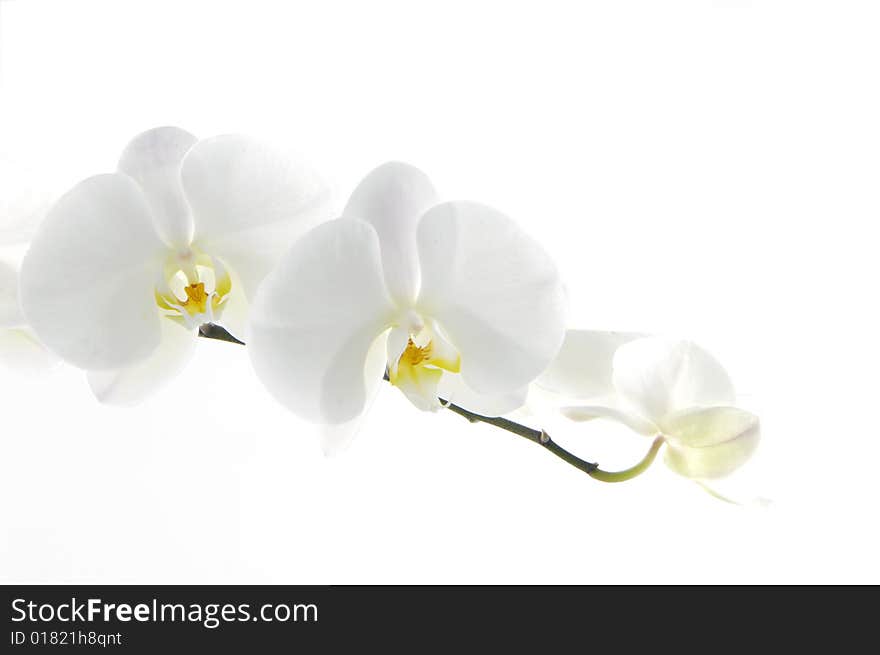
[[126, 266], [20, 350], [657, 386], [452, 298]]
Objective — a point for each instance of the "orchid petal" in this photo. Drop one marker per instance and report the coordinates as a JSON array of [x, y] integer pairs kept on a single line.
[[494, 292], [392, 198], [610, 410], [710, 442], [87, 282], [315, 318], [131, 385], [658, 376], [250, 202], [583, 367], [153, 159], [235, 310], [398, 338], [335, 439]]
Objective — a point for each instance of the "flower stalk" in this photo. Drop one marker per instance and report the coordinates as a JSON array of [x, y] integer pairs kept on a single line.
[[540, 437], [633, 471]]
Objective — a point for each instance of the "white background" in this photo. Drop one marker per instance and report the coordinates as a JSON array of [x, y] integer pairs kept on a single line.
[[701, 169]]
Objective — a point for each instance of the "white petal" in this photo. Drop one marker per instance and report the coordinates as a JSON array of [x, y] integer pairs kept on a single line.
[[610, 410], [392, 198], [708, 426], [335, 439], [250, 202], [133, 384], [659, 376], [398, 338], [453, 389], [153, 160], [582, 368], [234, 315], [10, 310], [315, 318], [710, 442], [21, 351], [495, 293], [87, 282]]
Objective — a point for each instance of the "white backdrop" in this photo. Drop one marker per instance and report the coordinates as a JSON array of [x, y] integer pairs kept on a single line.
[[701, 169]]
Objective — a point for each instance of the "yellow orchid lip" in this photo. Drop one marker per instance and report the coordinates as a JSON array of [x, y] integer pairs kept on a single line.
[[414, 355], [419, 369]]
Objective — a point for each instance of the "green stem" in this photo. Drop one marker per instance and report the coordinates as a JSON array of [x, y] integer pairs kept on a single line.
[[211, 331], [632, 471], [536, 436]]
